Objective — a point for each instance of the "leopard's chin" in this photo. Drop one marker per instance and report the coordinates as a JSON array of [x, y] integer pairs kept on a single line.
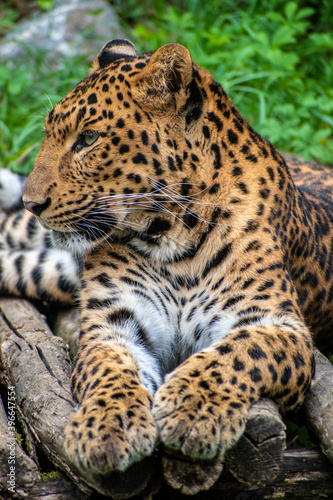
[[76, 243]]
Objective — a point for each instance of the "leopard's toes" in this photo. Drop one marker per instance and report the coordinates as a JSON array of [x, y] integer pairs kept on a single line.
[[195, 425], [101, 439]]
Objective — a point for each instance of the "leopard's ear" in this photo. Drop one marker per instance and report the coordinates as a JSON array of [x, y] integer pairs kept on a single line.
[[112, 51], [165, 78]]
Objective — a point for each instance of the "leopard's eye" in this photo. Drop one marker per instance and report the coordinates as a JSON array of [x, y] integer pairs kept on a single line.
[[90, 136], [87, 138]]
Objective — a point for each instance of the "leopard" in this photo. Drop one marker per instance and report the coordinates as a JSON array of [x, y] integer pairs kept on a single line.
[[200, 259]]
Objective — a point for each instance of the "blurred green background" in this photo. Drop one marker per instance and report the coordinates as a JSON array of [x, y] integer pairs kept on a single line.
[[274, 58]]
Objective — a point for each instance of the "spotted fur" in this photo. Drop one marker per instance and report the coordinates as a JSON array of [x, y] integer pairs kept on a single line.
[[205, 270]]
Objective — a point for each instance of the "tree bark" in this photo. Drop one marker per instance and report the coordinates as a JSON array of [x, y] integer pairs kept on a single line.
[[11, 455], [319, 404]]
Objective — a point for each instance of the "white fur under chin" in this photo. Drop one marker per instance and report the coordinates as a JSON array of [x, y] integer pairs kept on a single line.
[[71, 243]]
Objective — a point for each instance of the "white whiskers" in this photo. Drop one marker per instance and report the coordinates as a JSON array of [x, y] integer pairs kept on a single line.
[[109, 214]]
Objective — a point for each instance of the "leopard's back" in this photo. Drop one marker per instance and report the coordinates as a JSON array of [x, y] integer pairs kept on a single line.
[[312, 178]]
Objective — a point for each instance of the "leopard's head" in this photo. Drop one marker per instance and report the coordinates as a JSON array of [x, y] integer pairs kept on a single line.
[[125, 150]]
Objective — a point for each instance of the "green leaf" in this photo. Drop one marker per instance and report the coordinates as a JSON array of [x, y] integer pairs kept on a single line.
[[322, 39], [45, 4], [283, 36], [290, 10], [216, 38], [325, 118], [5, 73], [15, 87], [275, 16], [322, 134], [305, 12], [283, 59]]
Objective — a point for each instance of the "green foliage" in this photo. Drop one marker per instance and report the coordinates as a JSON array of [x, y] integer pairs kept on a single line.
[[45, 4], [299, 432], [19, 439], [10, 12], [28, 91], [8, 17], [272, 57], [54, 474], [267, 55]]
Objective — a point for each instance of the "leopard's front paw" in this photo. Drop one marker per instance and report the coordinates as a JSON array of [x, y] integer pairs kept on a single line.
[[111, 434], [197, 420]]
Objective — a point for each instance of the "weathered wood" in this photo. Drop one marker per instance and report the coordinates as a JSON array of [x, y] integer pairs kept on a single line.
[[15, 465], [38, 365], [319, 404], [190, 477], [304, 474], [257, 458], [55, 489]]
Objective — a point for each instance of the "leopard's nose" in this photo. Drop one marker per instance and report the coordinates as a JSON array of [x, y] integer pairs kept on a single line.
[[37, 208]]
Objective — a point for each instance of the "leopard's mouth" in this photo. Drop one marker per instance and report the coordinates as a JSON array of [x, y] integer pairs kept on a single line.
[[43, 223], [81, 231]]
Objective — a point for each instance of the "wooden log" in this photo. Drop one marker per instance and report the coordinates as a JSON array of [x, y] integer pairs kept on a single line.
[[53, 488], [304, 474], [38, 365], [17, 471], [257, 458], [57, 489], [319, 404], [190, 477]]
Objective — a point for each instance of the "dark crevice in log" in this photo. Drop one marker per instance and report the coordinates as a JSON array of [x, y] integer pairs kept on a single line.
[[44, 360]]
